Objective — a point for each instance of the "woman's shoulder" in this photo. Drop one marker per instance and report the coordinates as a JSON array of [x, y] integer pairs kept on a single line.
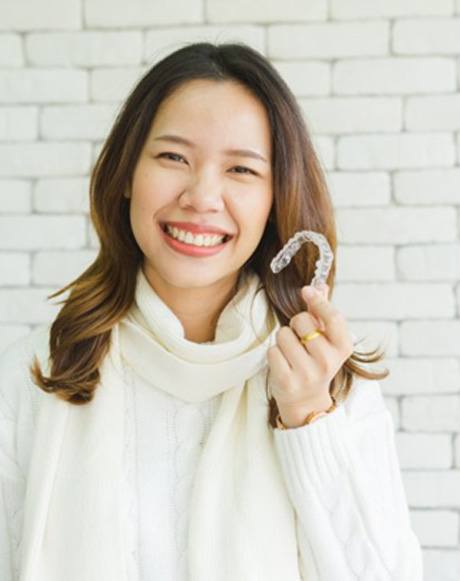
[[15, 360], [21, 350]]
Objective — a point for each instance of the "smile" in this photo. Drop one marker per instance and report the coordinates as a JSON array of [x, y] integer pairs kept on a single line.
[[202, 240], [190, 245]]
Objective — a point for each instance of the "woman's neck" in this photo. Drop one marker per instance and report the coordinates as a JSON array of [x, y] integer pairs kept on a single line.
[[198, 308]]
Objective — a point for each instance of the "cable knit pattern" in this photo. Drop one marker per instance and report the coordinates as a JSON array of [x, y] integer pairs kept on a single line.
[[344, 466], [341, 474], [188, 422], [184, 427], [130, 484]]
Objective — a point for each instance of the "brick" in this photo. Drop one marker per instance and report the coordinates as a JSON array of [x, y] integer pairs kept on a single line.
[[267, 11], [96, 148], [113, 85], [393, 76], [355, 9], [324, 149], [15, 196], [457, 298], [11, 54], [40, 15], [328, 40], [305, 78], [359, 189], [422, 375], [14, 268], [18, 123], [436, 528], [36, 232], [10, 333], [427, 186], [93, 240], [69, 195], [138, 13], [392, 405], [400, 151], [159, 42], [429, 262], [44, 159], [438, 413], [457, 450], [361, 115], [431, 451], [81, 122], [432, 488], [27, 306], [43, 86], [365, 263], [396, 225], [395, 300], [427, 36], [59, 268], [84, 49], [431, 338], [440, 564], [376, 334], [433, 113]]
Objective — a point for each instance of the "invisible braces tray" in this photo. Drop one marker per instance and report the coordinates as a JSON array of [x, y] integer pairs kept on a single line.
[[293, 245]]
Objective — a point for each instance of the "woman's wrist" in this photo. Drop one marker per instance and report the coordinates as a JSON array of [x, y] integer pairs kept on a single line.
[[295, 417]]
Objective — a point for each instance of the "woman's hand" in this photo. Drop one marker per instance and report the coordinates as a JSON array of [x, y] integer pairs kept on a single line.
[[301, 373]]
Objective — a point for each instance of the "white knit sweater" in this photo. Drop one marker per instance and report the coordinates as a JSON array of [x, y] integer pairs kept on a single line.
[[365, 528]]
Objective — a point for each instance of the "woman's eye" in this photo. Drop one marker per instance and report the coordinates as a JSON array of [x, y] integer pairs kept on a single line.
[[245, 168], [170, 154]]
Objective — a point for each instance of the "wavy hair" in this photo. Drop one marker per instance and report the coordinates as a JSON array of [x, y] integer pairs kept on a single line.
[[99, 297]]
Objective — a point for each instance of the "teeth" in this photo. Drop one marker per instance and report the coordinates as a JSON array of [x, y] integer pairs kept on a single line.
[[198, 240]]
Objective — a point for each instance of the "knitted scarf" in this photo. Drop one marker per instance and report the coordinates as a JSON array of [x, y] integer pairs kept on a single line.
[[241, 524]]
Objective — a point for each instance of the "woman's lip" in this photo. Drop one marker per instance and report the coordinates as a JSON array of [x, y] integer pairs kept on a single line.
[[189, 249]]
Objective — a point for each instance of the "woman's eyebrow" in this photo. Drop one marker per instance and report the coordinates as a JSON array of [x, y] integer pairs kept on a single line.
[[241, 152]]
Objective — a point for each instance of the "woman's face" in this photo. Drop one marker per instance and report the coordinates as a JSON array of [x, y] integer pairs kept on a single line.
[[203, 182]]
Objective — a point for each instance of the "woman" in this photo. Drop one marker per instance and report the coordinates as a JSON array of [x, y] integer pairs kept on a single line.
[[189, 414]]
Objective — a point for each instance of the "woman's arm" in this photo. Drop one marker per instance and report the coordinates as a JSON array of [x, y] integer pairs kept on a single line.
[[343, 478], [16, 436]]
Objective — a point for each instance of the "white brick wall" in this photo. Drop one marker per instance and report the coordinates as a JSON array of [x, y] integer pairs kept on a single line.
[[378, 83]]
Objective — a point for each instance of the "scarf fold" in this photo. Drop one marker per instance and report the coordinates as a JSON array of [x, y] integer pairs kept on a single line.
[[241, 524]]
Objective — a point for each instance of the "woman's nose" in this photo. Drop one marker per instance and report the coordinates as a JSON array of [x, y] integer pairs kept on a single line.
[[203, 196]]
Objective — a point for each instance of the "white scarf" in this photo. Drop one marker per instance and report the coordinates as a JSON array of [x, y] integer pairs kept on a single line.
[[242, 524]]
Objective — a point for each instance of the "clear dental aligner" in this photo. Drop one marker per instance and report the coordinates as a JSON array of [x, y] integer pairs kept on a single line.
[[292, 246]]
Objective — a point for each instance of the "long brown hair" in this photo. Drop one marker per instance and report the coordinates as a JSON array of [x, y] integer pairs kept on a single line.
[[98, 298]]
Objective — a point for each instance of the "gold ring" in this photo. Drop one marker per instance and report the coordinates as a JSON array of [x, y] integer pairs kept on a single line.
[[310, 336]]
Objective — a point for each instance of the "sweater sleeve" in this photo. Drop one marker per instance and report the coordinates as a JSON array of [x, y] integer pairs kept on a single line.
[[343, 477]]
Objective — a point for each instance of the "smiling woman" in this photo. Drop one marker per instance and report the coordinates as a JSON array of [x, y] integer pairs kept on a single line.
[[198, 186], [155, 453]]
